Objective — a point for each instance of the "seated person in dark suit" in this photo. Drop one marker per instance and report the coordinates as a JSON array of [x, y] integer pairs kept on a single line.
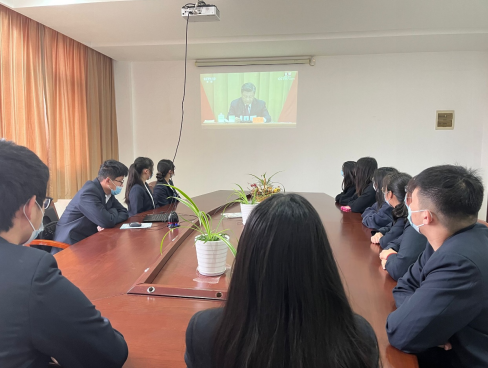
[[348, 183], [248, 106], [442, 300], [379, 214], [164, 195], [402, 252], [138, 195], [94, 207], [42, 314], [286, 305], [365, 195]]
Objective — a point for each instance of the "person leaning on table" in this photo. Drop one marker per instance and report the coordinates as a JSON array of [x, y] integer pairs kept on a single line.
[[42, 314]]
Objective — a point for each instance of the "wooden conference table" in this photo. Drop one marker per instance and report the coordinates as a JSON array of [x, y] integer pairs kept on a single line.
[[107, 265]]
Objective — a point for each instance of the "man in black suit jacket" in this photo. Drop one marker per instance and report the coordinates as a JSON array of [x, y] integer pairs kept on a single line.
[[94, 207], [248, 106], [42, 314], [442, 300]]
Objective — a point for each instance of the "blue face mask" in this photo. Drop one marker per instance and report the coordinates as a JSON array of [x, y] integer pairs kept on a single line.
[[342, 173], [386, 200], [35, 233], [117, 189], [409, 217]]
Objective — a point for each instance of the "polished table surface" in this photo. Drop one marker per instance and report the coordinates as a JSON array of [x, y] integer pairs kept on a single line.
[[108, 264]]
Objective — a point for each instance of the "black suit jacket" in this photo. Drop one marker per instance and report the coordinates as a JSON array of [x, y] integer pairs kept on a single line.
[[258, 108], [201, 329], [444, 297], [346, 195], [408, 246], [43, 315], [140, 200], [392, 232], [86, 211], [163, 195], [367, 199]]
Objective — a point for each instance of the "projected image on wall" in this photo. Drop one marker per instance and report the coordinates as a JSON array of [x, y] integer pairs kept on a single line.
[[249, 98]]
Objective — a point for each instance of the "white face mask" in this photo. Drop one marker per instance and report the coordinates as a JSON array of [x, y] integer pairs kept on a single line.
[[35, 233]]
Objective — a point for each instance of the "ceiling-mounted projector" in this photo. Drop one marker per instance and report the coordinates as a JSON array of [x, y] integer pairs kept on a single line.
[[200, 12]]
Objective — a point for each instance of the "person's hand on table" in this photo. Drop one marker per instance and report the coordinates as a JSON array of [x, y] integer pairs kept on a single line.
[[375, 239], [384, 256], [385, 253], [99, 228], [447, 346]]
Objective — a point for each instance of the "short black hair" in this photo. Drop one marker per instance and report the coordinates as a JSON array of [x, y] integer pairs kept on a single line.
[[22, 175], [456, 192], [112, 169], [248, 87]]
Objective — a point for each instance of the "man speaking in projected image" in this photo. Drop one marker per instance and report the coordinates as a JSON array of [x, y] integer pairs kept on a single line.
[[247, 107]]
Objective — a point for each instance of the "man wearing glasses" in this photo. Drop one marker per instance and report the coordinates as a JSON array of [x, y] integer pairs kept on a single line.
[[94, 207], [42, 314]]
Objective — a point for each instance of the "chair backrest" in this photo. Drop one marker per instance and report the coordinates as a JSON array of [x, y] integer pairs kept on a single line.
[[50, 215], [483, 222]]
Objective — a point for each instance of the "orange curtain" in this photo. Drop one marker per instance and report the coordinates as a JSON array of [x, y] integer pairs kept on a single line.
[[65, 81], [58, 99], [22, 114], [102, 119]]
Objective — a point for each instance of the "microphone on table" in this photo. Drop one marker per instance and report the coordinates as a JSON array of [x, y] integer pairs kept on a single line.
[[173, 220]]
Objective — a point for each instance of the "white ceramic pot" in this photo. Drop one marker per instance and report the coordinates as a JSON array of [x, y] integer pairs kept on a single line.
[[211, 256], [246, 210]]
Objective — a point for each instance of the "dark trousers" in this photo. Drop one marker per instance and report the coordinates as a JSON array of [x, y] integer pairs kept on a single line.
[[435, 358]]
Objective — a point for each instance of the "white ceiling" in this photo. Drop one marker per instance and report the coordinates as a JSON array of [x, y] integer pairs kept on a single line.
[[154, 29]]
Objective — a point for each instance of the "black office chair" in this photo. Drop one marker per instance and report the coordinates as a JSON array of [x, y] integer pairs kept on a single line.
[[49, 221]]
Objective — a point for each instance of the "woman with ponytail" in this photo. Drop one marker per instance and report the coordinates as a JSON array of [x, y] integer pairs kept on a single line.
[[164, 195], [138, 195], [379, 214], [400, 253]]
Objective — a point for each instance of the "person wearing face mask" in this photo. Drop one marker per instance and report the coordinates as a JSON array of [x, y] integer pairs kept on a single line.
[[405, 247], [442, 300], [164, 195], [365, 193], [348, 173], [94, 207], [138, 196], [42, 314], [379, 214]]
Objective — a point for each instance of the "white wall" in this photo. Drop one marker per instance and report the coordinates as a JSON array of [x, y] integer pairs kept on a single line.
[[348, 107]]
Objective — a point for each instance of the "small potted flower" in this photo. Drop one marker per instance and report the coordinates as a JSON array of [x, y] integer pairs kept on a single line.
[[264, 187], [211, 244], [247, 203]]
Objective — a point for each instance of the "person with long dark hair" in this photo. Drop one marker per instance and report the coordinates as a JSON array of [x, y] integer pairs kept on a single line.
[[365, 194], [379, 214], [402, 252], [164, 195], [138, 195], [286, 304], [348, 183]]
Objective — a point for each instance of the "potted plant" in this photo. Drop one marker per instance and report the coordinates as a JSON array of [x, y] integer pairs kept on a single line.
[[211, 244], [264, 187], [247, 203]]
